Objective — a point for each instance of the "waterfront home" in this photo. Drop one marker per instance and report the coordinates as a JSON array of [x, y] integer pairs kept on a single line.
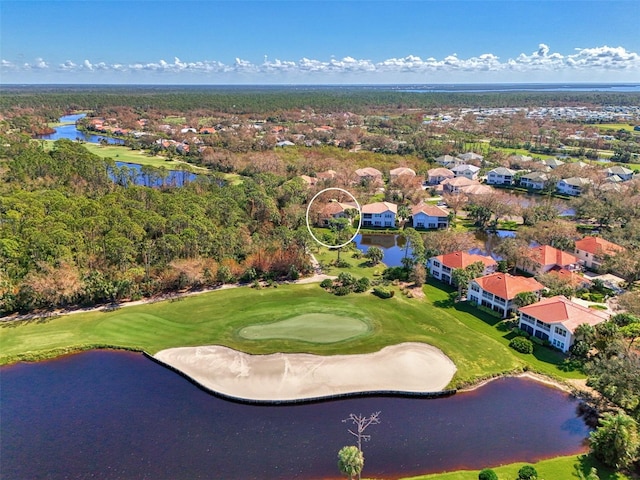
[[439, 175], [534, 180], [592, 251], [622, 172], [453, 185], [545, 257], [476, 189], [572, 185], [334, 210], [379, 214], [400, 171], [442, 266], [471, 157], [501, 176], [429, 216], [555, 319], [498, 290], [369, 175], [467, 171]]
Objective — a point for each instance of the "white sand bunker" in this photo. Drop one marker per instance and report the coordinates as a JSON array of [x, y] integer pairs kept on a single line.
[[407, 367]]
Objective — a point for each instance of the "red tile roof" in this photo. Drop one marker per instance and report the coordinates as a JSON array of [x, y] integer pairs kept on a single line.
[[508, 286], [368, 172], [560, 309], [547, 255], [598, 246], [463, 259], [574, 279]]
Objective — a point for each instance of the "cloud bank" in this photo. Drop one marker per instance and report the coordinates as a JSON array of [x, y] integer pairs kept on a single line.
[[584, 64]]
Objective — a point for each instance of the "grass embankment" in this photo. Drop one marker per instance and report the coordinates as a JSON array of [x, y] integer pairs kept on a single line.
[[560, 468], [358, 267], [473, 341]]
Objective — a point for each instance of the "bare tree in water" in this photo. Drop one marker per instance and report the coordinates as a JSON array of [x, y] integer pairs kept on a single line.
[[361, 423]]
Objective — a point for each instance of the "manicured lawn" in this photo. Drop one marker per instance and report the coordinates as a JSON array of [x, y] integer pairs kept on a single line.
[[476, 344], [310, 327], [615, 126], [560, 468], [125, 154]]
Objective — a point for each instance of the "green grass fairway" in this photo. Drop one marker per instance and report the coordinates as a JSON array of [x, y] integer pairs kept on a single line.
[[310, 327], [615, 126], [476, 344], [560, 468]]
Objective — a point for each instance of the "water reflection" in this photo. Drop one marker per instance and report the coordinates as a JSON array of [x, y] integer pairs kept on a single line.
[[120, 415]]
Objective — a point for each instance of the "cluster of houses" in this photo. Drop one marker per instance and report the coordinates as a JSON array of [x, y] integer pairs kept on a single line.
[[456, 175], [384, 215], [553, 319]]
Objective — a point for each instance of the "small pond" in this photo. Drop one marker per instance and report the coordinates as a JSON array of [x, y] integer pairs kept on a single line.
[[120, 415], [393, 247]]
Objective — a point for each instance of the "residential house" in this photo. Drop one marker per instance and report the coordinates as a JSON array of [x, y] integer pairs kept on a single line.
[[622, 172], [326, 175], [534, 180], [400, 171], [453, 185], [544, 258], [334, 210], [501, 176], [592, 251], [476, 189], [498, 290], [442, 266], [572, 185], [521, 158], [379, 214], [369, 174], [467, 171], [429, 216], [309, 181], [471, 157], [574, 279], [438, 175], [552, 163], [448, 161], [556, 319]]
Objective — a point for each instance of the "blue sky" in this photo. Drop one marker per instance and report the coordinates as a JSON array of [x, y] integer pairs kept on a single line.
[[316, 42]]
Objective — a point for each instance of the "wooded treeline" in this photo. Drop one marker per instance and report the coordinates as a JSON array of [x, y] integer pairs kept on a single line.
[[242, 100], [70, 235]]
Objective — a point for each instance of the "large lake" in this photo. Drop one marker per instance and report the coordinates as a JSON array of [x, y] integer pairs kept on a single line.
[[72, 133], [118, 415]]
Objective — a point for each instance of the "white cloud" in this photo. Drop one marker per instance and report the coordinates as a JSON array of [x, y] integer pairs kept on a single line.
[[578, 64]]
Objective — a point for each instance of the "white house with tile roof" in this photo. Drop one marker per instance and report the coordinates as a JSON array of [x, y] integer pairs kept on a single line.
[[429, 216], [555, 319], [379, 214]]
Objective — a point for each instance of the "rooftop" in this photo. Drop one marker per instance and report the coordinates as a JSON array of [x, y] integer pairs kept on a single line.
[[508, 286], [560, 309], [463, 259]]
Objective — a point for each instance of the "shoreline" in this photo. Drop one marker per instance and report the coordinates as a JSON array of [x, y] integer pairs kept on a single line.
[[295, 377]]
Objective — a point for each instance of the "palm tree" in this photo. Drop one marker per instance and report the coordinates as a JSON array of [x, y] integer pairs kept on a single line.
[[350, 461]]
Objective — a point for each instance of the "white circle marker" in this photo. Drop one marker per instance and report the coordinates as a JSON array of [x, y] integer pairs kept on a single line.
[[359, 216]]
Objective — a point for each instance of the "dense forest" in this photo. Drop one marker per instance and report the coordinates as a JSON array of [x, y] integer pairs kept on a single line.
[[262, 100], [70, 234]]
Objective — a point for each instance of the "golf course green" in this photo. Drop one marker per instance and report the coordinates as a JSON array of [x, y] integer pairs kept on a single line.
[[310, 327], [264, 321]]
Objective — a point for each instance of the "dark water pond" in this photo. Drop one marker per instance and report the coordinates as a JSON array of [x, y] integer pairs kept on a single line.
[[117, 415], [72, 133], [133, 173], [393, 247]]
